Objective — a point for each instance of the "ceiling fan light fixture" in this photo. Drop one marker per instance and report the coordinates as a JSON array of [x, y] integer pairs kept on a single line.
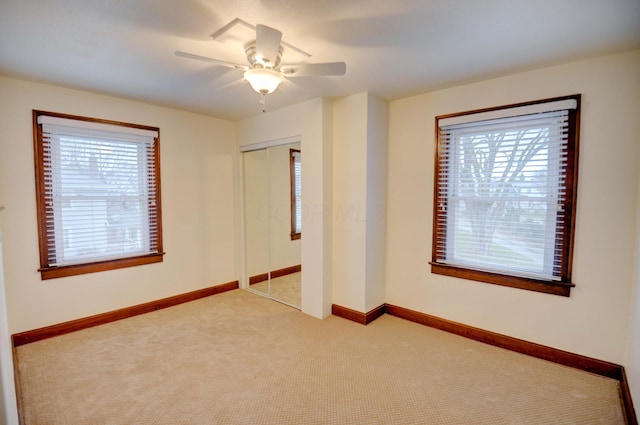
[[263, 80]]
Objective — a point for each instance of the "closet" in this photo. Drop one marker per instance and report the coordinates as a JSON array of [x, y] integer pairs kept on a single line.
[[272, 219]]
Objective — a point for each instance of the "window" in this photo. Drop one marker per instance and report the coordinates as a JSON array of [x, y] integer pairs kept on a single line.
[[98, 194], [295, 165], [505, 195]]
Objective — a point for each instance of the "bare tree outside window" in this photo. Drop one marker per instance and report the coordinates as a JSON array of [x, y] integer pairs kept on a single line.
[[498, 173], [504, 190]]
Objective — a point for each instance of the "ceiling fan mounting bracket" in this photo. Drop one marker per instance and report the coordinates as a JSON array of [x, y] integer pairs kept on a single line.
[[237, 21]]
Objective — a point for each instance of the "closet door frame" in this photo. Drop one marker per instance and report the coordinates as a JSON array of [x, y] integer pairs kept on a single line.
[[245, 275]]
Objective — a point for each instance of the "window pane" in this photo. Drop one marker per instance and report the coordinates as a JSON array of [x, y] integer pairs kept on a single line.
[[499, 192], [295, 165], [298, 191], [98, 192], [505, 186], [101, 193]]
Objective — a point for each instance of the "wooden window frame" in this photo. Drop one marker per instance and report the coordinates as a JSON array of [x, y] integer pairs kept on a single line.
[[294, 235], [561, 287], [43, 211]]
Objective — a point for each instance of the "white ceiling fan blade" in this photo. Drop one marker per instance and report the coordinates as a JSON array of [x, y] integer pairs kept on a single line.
[[210, 60], [314, 69], [267, 44]]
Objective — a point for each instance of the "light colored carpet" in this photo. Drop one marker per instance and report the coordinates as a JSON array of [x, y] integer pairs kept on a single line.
[[238, 358], [284, 288]]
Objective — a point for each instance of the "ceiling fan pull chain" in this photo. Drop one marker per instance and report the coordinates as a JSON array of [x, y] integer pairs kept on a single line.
[[263, 100]]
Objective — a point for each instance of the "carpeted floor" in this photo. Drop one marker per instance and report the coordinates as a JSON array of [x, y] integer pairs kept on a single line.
[[284, 288], [238, 358]]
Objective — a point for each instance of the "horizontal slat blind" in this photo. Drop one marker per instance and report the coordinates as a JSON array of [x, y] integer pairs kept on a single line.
[[501, 194], [510, 112], [297, 171], [100, 191]]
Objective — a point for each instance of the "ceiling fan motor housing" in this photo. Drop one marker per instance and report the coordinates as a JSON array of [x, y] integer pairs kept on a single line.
[[256, 61]]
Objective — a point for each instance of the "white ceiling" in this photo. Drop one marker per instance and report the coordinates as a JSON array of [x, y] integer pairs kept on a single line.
[[393, 48]]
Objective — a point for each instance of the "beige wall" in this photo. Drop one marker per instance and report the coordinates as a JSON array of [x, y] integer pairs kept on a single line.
[[311, 122], [595, 320], [377, 136], [350, 202], [632, 363], [198, 156], [359, 201], [201, 208], [8, 400]]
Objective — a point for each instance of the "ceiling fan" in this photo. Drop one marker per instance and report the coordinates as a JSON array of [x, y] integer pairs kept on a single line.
[[265, 71]]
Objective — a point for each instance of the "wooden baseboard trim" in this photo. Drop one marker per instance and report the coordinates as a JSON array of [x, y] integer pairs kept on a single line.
[[123, 313], [576, 361], [627, 403], [258, 278], [565, 358], [357, 316], [274, 274], [285, 271], [375, 313]]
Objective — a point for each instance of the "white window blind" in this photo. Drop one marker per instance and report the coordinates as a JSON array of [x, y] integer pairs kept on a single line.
[[297, 187], [100, 191], [501, 190]]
